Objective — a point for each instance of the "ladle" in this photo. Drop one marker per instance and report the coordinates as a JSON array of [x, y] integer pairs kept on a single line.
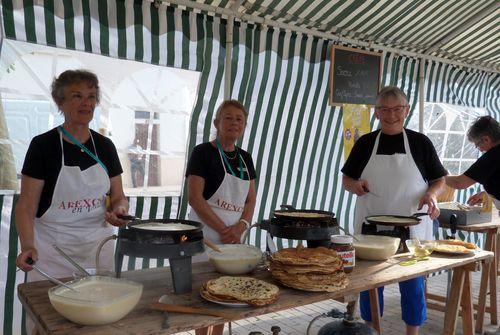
[[72, 261], [211, 245], [346, 233], [49, 277]]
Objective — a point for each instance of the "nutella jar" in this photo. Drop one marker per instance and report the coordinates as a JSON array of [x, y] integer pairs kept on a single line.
[[343, 245]]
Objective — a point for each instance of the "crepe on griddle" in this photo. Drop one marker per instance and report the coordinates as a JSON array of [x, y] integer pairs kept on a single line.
[[309, 215], [253, 291]]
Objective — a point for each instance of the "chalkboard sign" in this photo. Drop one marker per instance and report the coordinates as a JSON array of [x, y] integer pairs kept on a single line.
[[354, 76]]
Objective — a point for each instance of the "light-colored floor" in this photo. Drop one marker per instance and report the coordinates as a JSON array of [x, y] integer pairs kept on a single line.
[[295, 321]]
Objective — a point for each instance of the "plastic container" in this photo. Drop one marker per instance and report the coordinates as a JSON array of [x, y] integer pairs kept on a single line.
[[235, 259], [342, 244], [97, 300], [376, 247]]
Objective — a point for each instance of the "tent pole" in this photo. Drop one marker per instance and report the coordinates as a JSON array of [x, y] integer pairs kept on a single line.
[[229, 50], [421, 90], [227, 12]]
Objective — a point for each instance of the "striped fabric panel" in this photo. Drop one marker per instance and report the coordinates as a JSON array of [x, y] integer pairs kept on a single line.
[[11, 309], [410, 25], [480, 41], [120, 29]]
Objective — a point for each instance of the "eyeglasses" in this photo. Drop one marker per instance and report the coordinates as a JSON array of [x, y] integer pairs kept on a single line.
[[396, 109]]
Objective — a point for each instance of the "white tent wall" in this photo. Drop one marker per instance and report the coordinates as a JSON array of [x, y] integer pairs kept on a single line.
[[294, 136]]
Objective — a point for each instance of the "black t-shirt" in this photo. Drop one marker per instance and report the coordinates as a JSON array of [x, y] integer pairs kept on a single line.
[[43, 160], [486, 171], [422, 150], [206, 162]]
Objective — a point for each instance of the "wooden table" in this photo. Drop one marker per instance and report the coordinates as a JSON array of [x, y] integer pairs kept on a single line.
[[366, 276], [488, 274]]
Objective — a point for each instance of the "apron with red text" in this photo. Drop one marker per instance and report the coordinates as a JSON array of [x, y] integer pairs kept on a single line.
[[74, 222], [227, 203]]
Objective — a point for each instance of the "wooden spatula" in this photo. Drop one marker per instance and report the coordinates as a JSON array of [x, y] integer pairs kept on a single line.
[[211, 245], [190, 310]]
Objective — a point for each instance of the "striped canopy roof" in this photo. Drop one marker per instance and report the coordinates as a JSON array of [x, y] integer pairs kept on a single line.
[[460, 30]]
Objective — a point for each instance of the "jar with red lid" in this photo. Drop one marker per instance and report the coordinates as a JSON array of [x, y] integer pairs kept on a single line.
[[342, 244]]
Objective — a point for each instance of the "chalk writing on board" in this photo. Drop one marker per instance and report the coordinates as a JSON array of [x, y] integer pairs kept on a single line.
[[354, 77]]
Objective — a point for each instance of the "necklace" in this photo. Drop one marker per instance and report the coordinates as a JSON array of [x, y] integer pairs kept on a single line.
[[229, 157]]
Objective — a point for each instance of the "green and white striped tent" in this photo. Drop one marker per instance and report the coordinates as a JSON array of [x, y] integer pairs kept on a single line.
[[279, 66]]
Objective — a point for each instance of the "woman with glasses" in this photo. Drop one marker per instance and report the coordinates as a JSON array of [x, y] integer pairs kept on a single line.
[[395, 171], [67, 173], [485, 134]]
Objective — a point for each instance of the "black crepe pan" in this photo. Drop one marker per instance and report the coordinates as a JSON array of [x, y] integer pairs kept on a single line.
[[411, 220]]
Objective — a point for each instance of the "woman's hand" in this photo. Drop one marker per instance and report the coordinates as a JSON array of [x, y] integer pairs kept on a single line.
[[112, 217], [476, 198], [430, 200], [21, 260], [232, 234], [359, 187]]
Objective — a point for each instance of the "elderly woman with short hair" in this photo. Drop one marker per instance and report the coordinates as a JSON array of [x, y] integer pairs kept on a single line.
[[395, 170], [485, 134], [67, 173], [221, 183]]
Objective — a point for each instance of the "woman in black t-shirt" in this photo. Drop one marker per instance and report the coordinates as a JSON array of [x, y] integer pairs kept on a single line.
[[485, 134], [221, 183], [221, 179], [66, 175]]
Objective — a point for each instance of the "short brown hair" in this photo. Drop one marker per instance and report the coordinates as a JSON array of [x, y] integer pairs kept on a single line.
[[392, 92], [231, 103], [484, 126], [70, 77]]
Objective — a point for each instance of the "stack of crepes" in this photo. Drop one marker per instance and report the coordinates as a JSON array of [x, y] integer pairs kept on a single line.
[[309, 269], [249, 290]]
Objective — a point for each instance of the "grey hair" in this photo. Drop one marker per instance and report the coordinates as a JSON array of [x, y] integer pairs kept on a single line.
[[70, 77], [231, 103], [484, 126], [391, 92]]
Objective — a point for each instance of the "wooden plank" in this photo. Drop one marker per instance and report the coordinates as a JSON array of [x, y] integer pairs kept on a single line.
[[436, 297], [483, 287], [450, 317], [375, 310], [142, 320], [436, 306], [467, 308], [493, 282]]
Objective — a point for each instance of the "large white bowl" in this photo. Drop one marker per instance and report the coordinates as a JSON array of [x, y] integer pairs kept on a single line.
[[97, 300], [235, 259], [376, 247]]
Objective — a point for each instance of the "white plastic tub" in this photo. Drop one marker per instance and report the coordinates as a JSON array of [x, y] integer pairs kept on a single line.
[[235, 259], [375, 247], [97, 300]]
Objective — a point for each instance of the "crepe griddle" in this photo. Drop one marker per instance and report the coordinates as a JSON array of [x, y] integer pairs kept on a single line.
[[411, 220]]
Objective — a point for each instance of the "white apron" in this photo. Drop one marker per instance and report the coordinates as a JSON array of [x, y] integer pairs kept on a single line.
[[496, 202], [74, 222], [227, 203], [400, 185]]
